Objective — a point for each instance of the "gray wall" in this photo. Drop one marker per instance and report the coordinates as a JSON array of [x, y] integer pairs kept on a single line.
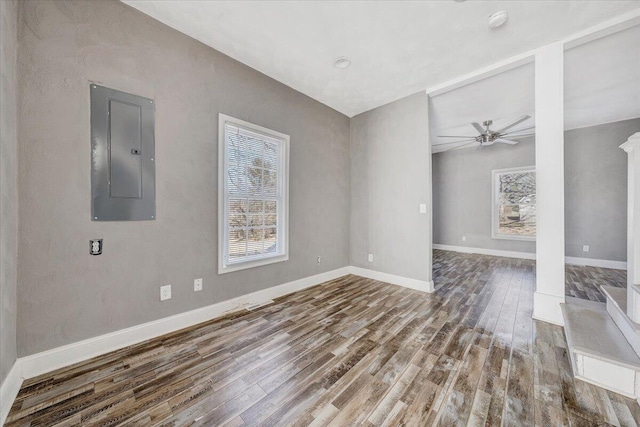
[[8, 185], [462, 194], [66, 295], [390, 177], [595, 192]]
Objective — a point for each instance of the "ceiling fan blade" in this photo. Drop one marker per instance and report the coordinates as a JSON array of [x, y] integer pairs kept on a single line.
[[513, 123], [518, 130], [524, 135], [461, 146], [456, 136], [507, 141], [479, 128], [456, 142]]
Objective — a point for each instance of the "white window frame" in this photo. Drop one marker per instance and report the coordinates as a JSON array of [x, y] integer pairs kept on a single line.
[[283, 202], [494, 204]]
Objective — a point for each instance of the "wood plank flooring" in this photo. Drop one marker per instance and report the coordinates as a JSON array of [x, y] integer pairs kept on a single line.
[[584, 282], [349, 352]]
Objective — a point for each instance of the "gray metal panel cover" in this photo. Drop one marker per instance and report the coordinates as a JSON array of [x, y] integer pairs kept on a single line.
[[122, 156]]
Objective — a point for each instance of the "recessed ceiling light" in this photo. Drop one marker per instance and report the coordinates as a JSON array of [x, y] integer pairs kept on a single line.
[[497, 19], [341, 62]]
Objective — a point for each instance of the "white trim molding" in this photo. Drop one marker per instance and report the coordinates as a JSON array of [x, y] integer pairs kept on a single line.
[[602, 263], [631, 147], [281, 198], [9, 390], [49, 360], [619, 23], [484, 251], [549, 156], [631, 143], [418, 285], [617, 378], [495, 188], [623, 322], [547, 308]]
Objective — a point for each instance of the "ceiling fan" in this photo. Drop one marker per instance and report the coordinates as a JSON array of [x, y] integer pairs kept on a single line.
[[487, 136]]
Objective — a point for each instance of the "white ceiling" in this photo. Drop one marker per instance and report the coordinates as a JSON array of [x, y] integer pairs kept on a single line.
[[602, 80], [501, 98], [602, 85], [397, 47]]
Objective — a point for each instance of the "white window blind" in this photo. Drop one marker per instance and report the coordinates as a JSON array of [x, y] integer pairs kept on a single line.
[[254, 205]]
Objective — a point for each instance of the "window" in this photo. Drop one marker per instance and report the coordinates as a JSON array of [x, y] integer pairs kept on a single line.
[[514, 204], [252, 195]]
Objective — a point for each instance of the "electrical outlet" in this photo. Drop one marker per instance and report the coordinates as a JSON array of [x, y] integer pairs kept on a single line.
[[585, 248], [165, 292], [197, 285], [464, 238], [370, 258], [319, 259], [95, 246]]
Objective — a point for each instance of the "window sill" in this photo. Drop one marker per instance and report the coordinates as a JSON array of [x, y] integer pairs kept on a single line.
[[222, 269]]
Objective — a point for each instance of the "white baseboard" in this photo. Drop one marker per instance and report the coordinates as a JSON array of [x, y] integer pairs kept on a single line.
[[602, 263], [419, 285], [483, 251], [547, 308], [9, 390], [50, 360], [47, 361], [290, 287]]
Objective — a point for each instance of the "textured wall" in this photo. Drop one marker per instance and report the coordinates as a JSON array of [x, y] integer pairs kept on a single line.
[[8, 185], [595, 192], [67, 295], [390, 178], [462, 194]]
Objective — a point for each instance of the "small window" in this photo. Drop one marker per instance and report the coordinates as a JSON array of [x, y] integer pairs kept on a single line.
[[514, 204], [252, 196]]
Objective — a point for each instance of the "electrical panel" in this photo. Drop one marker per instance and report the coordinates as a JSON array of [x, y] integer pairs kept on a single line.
[[123, 177]]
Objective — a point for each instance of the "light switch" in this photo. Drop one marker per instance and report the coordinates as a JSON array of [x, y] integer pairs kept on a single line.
[[423, 208]]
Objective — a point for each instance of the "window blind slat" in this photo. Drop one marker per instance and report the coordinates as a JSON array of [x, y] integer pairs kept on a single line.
[[252, 196]]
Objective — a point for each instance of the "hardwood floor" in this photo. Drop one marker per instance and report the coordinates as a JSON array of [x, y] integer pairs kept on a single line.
[[584, 282], [352, 351]]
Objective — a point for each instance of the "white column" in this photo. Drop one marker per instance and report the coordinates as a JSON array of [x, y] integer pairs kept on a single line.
[[632, 147], [549, 117]]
